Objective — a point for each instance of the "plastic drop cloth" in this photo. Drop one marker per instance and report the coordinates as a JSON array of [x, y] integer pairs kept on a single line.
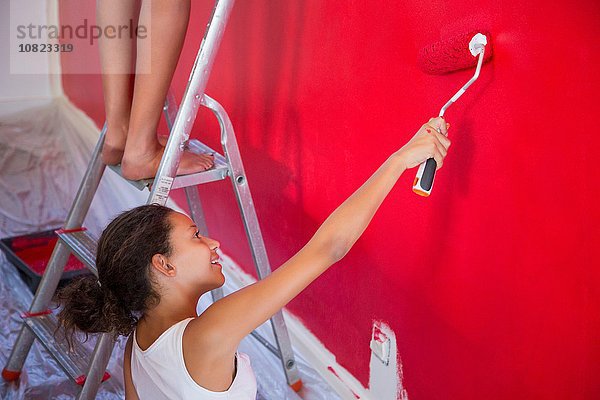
[[44, 152]]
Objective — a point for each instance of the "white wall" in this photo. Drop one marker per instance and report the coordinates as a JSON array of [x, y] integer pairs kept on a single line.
[[19, 91]]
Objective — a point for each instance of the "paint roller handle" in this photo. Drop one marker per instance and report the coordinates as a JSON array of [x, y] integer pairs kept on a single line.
[[423, 183], [424, 180]]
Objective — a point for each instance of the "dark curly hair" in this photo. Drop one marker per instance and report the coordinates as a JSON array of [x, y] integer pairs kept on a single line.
[[124, 289]]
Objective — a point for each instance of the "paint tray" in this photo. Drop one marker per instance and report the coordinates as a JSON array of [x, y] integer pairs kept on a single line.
[[30, 255]]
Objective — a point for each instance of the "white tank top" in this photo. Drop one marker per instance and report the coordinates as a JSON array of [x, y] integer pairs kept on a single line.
[[159, 372]]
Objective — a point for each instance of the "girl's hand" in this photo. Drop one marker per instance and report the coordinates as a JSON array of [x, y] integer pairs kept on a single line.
[[427, 143]]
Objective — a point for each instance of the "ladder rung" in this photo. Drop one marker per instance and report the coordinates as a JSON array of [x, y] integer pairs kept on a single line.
[[217, 173], [83, 246], [74, 361]]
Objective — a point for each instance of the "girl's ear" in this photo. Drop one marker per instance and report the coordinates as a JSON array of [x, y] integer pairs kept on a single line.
[[160, 264]]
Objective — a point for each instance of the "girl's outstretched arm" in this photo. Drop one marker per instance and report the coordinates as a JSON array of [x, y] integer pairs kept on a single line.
[[235, 316]]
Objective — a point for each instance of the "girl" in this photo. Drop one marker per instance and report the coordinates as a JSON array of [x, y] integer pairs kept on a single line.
[[153, 266]]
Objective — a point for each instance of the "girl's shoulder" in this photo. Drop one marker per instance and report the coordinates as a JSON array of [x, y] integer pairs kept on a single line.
[[205, 337], [205, 331], [208, 355]]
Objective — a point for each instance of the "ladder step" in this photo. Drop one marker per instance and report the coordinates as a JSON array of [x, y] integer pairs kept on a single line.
[[217, 173], [74, 360], [82, 244]]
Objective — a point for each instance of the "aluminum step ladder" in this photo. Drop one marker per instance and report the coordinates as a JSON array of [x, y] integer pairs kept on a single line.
[[89, 370]]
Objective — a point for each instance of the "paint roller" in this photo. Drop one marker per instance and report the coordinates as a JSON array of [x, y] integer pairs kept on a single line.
[[441, 58]]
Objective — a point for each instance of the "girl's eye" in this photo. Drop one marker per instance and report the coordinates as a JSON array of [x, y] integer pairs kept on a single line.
[[197, 235]]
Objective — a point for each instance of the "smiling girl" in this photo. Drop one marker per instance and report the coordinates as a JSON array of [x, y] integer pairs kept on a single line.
[[153, 266]]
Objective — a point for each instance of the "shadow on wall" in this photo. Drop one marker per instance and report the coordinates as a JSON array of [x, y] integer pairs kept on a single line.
[[279, 78]]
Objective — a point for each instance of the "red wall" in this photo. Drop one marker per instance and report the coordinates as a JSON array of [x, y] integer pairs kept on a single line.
[[491, 284]]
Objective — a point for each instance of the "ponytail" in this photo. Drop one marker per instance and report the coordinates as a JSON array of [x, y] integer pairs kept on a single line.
[[89, 308]]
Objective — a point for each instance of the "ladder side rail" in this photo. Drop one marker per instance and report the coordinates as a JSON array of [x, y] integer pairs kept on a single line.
[[98, 363], [241, 188], [253, 232], [167, 169], [282, 337], [58, 259], [77, 213], [191, 192]]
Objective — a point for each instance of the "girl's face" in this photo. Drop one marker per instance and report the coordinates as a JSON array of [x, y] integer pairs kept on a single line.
[[193, 256]]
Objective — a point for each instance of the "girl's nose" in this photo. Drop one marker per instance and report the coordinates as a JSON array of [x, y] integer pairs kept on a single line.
[[213, 244]]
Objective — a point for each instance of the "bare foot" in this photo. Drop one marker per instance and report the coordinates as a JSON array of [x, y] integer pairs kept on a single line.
[[138, 165], [114, 146]]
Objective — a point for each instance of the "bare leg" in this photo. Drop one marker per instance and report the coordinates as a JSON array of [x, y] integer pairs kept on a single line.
[[117, 60], [167, 23]]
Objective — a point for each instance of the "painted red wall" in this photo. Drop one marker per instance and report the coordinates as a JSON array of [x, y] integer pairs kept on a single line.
[[491, 284]]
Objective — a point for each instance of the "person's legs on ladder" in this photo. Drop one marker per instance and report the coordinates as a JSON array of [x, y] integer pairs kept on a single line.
[[118, 68], [137, 105], [155, 66]]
